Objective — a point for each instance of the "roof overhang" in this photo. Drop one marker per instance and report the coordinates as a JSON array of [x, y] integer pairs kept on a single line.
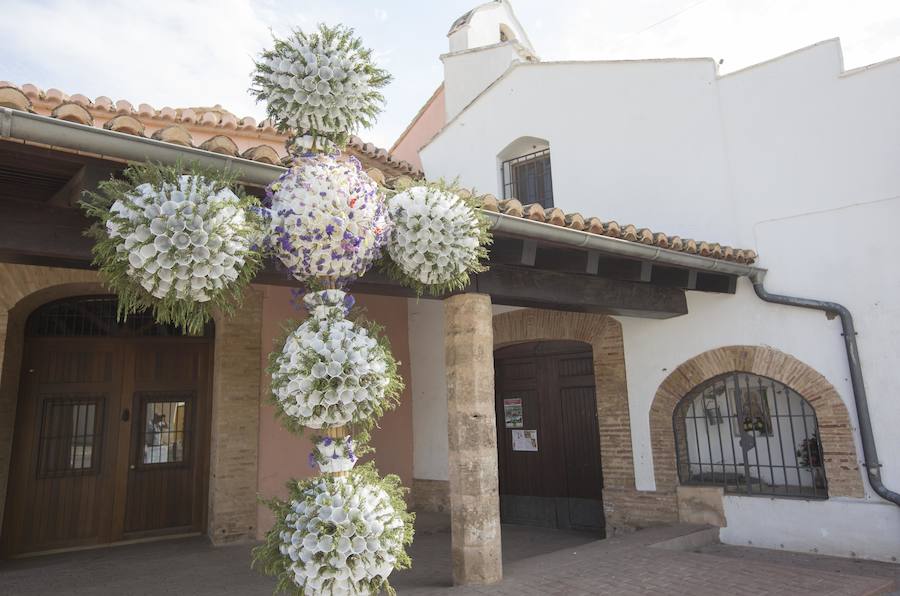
[[532, 263]]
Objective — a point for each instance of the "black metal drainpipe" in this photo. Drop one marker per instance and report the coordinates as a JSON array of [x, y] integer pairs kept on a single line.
[[870, 454]]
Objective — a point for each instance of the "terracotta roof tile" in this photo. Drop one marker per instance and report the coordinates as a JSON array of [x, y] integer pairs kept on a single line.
[[213, 128], [557, 217], [174, 133], [220, 144], [12, 97], [73, 112]]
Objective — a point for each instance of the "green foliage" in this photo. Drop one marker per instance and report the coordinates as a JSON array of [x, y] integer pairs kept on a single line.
[[360, 430], [268, 558], [113, 263], [335, 119], [475, 265]]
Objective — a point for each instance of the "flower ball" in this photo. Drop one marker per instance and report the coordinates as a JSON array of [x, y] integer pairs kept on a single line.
[[324, 82], [436, 236], [332, 371], [328, 219], [186, 241], [342, 537]]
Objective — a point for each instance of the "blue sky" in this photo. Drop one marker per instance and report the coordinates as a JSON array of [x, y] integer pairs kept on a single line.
[[189, 53]]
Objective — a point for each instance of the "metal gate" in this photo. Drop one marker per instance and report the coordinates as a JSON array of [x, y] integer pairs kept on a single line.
[[751, 435]]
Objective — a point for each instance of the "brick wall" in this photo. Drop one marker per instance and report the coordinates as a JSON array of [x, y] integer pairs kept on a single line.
[[836, 433]]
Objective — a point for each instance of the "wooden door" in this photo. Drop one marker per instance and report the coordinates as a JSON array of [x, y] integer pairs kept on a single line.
[[112, 433], [166, 475], [64, 464], [555, 481]]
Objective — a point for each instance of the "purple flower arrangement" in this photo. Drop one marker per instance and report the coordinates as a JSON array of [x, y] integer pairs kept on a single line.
[[327, 219]]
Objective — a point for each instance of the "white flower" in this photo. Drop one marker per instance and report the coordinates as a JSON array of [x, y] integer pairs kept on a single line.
[[315, 382], [322, 83], [327, 218], [434, 237], [181, 232]]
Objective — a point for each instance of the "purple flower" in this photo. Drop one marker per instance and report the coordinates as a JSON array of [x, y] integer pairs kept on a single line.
[[312, 461], [327, 441]]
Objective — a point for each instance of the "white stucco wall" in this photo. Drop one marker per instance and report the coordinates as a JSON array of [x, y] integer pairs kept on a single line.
[[792, 158], [839, 527], [468, 73], [630, 141], [429, 389]]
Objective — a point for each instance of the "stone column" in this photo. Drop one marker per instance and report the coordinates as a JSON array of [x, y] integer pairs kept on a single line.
[[474, 496]]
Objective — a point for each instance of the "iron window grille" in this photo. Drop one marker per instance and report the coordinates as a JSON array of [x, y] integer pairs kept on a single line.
[[750, 435], [528, 179], [71, 433], [96, 316]]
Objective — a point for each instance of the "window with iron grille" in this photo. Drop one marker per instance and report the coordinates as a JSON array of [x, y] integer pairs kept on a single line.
[[750, 435], [527, 178], [97, 316]]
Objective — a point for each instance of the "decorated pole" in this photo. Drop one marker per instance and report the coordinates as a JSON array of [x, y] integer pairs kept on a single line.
[[345, 531], [182, 241]]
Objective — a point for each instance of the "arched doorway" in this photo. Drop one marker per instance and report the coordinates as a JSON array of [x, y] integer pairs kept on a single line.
[[548, 438], [111, 436]]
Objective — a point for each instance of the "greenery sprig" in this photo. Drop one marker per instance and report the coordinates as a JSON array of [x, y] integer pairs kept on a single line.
[[318, 551], [181, 241], [322, 85], [439, 237]]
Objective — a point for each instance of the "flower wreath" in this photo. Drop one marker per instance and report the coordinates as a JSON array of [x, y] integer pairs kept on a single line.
[[338, 535], [323, 84], [332, 371], [438, 238], [327, 219], [181, 242]]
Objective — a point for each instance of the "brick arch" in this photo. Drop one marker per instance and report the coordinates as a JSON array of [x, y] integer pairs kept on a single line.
[[836, 433], [604, 334]]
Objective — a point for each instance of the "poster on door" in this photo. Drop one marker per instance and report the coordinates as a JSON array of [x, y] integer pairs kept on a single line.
[[512, 412], [524, 440]]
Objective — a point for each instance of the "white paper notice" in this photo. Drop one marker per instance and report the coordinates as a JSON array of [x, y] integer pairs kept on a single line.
[[524, 440]]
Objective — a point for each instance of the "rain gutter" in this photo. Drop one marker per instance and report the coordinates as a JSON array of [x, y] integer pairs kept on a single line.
[[79, 138], [870, 453]]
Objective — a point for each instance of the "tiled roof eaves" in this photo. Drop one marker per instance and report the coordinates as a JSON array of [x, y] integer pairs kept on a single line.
[[263, 171], [612, 229], [221, 131]]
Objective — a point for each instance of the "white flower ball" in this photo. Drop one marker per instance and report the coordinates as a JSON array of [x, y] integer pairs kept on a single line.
[[342, 536], [331, 372], [435, 235], [328, 218], [185, 240], [324, 82]]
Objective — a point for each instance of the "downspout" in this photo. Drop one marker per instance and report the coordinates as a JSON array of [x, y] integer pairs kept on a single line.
[[870, 453]]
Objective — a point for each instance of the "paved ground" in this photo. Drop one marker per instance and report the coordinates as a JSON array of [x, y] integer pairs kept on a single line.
[[536, 562]]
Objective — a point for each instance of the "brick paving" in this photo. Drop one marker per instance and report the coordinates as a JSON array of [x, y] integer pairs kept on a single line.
[[536, 562]]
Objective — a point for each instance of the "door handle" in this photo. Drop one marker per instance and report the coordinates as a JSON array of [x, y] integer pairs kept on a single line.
[[131, 467], [126, 415]]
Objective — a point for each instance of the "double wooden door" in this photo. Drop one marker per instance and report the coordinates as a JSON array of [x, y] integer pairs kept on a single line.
[[111, 441], [547, 436]]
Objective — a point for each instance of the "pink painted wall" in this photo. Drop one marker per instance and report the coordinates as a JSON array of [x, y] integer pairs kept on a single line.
[[283, 456], [424, 126]]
